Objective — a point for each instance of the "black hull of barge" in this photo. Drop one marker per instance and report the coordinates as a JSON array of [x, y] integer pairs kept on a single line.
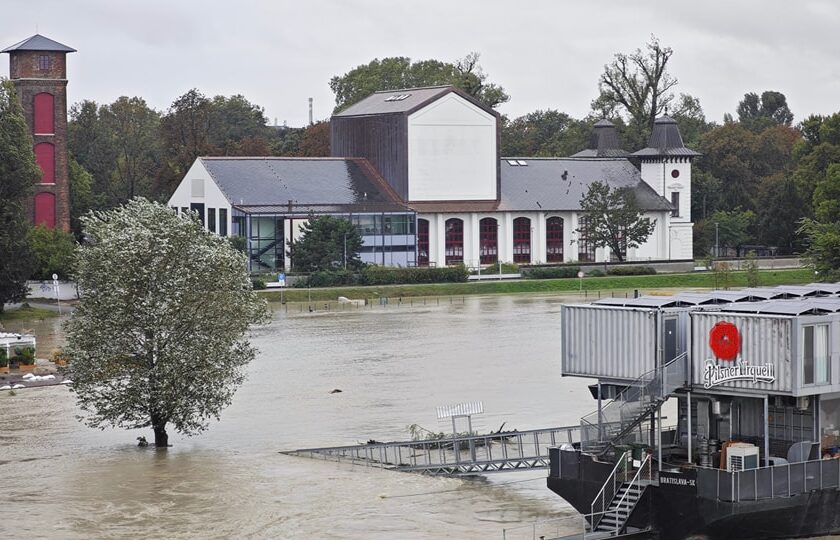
[[676, 512]]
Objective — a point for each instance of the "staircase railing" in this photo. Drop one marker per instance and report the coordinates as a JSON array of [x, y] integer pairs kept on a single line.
[[645, 472], [607, 426], [616, 478]]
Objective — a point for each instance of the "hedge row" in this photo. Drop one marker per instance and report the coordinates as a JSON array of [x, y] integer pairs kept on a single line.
[[383, 275], [550, 272], [632, 271]]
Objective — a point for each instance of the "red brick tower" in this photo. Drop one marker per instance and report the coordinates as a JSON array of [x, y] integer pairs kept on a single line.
[[38, 69]]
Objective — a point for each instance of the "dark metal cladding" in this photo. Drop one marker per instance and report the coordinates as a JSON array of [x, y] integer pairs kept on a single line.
[[604, 142], [665, 140]]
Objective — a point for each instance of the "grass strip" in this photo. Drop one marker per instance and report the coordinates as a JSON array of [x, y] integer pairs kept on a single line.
[[767, 278]]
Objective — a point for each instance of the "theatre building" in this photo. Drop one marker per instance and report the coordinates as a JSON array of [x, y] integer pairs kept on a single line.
[[419, 172]]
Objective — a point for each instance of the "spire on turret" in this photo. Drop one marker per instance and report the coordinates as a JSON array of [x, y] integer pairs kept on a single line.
[[604, 142], [665, 140]]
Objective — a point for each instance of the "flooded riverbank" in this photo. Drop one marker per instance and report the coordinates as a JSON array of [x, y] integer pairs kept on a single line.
[[393, 365]]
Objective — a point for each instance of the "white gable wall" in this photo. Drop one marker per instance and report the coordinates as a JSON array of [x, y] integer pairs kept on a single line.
[[451, 152], [198, 186]]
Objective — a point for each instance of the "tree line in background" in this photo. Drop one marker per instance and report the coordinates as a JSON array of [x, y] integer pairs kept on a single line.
[[760, 174]]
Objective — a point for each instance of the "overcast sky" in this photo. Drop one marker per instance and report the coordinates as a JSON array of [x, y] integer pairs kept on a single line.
[[546, 54]]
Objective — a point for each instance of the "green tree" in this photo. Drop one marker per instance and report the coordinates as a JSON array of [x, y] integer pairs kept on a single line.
[[322, 245], [82, 198], [400, 72], [827, 195], [316, 140], [823, 253], [758, 113], [18, 173], [53, 252], [158, 337], [614, 219], [544, 133], [779, 211], [639, 86], [134, 130], [728, 156], [734, 229]]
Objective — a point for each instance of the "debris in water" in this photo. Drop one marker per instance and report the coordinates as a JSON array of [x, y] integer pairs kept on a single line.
[[336, 391]]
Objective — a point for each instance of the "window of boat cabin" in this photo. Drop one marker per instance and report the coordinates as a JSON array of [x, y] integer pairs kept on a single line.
[[815, 367]]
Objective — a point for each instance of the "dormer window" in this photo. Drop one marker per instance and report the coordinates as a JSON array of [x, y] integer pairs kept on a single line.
[[44, 62]]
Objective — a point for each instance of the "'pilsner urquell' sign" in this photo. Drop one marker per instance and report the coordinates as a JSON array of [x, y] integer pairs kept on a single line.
[[725, 342]]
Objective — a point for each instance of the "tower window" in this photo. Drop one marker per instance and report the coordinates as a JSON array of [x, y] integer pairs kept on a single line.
[[675, 173], [44, 62], [675, 202]]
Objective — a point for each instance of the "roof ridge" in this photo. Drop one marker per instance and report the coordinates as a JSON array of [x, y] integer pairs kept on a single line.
[[432, 87]]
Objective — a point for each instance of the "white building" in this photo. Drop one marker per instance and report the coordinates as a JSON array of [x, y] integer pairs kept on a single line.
[[419, 172]]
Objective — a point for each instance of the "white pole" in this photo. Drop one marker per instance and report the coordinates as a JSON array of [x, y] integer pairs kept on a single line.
[[55, 288]]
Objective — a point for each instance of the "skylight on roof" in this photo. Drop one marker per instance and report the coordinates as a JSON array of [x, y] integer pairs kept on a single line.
[[522, 162], [397, 97], [513, 163]]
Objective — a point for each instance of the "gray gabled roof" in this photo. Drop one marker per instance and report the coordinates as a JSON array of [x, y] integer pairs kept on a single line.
[[38, 43], [544, 184], [665, 140], [342, 183], [403, 101]]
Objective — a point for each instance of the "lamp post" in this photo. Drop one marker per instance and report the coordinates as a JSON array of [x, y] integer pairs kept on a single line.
[[345, 251], [717, 248]]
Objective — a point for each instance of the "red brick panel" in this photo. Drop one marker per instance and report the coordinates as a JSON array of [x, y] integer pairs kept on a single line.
[[45, 157], [45, 209], [44, 111]]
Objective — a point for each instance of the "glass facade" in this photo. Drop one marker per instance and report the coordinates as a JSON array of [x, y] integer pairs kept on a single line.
[[266, 244]]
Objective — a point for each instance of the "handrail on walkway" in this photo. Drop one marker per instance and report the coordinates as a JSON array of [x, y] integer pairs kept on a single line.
[[459, 455]]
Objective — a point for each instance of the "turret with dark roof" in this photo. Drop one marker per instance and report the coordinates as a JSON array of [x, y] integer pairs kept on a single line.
[[39, 43], [604, 142], [665, 140]]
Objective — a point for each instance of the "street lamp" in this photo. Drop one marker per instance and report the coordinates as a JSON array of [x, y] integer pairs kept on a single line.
[[345, 251], [717, 247]]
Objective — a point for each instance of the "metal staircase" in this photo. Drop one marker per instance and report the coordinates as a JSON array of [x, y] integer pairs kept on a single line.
[[616, 422], [610, 514]]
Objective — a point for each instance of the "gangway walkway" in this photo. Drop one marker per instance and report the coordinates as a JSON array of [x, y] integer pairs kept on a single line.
[[456, 455]]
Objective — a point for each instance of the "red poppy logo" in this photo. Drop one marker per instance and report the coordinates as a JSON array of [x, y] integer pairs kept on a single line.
[[725, 341]]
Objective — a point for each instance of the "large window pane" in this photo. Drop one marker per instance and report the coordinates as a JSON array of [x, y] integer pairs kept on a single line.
[[815, 355], [454, 241]]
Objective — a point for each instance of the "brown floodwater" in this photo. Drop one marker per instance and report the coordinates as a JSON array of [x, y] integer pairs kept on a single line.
[[394, 365]]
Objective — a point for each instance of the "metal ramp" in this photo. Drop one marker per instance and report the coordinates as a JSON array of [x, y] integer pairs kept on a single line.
[[454, 456]]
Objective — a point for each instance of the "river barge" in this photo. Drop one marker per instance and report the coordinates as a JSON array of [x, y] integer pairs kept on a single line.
[[717, 415]]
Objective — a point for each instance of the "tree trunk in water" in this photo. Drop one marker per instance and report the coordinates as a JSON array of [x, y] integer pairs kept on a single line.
[[161, 438]]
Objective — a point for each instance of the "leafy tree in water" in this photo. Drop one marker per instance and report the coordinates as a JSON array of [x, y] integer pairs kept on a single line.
[[18, 173], [158, 337], [322, 245], [639, 85], [53, 252], [400, 72], [614, 219]]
